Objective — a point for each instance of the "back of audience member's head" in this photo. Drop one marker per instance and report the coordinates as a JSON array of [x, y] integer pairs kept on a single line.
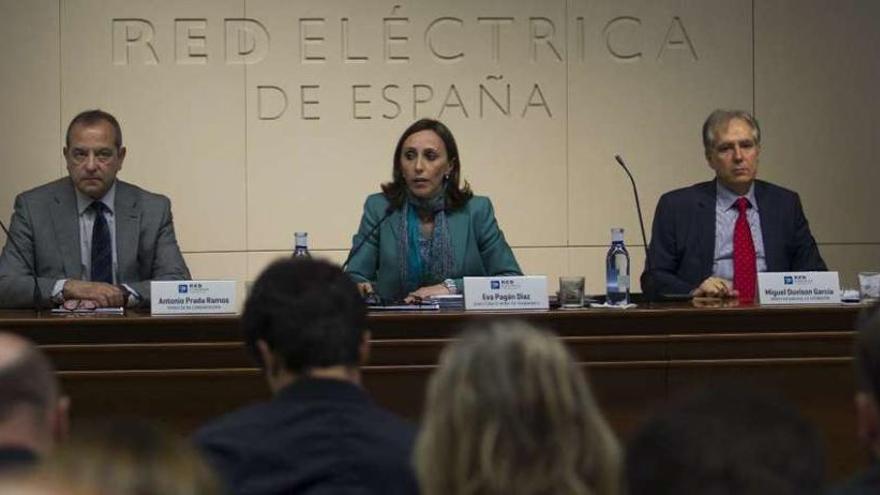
[[309, 313], [32, 482], [726, 441], [128, 457], [33, 415], [867, 367], [509, 412]]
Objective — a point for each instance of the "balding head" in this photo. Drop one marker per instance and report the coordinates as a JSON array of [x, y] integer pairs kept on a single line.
[[31, 413], [26, 377]]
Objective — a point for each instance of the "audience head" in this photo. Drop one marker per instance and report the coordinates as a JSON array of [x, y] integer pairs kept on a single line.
[[867, 364], [726, 441], [509, 412], [441, 153], [303, 315], [33, 415], [30, 483], [128, 457]]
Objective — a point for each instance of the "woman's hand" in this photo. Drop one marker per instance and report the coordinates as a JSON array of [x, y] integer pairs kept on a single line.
[[426, 292]]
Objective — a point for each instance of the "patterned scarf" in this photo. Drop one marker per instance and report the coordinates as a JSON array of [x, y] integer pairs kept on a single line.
[[413, 272]]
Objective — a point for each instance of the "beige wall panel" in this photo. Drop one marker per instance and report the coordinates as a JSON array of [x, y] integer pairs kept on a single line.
[[220, 266], [643, 76], [816, 77], [310, 165], [552, 262], [180, 103], [30, 148], [257, 261], [590, 262], [850, 259]]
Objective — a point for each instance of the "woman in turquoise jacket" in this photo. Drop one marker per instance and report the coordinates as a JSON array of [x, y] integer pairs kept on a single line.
[[431, 232]]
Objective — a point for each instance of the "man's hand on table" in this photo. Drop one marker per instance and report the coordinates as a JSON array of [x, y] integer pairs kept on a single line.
[[98, 293]]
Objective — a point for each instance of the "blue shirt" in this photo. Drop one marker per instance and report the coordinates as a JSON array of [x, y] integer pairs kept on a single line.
[[726, 214]]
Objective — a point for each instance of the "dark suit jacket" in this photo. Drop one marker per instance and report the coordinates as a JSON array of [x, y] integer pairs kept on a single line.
[[682, 249], [865, 483], [317, 436], [479, 247], [46, 227], [14, 458]]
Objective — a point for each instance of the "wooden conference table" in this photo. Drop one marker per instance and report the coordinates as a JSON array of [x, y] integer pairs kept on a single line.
[[183, 371]]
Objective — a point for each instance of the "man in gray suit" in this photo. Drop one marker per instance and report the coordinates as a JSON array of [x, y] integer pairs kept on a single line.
[[89, 238]]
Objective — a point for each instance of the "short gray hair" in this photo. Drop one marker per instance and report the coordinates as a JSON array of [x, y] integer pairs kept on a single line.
[[720, 118]]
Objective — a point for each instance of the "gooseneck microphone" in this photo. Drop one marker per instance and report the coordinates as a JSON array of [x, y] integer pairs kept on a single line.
[[647, 288], [388, 211], [38, 296]]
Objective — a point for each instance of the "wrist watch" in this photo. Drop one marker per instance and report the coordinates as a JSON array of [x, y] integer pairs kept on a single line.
[[450, 286]]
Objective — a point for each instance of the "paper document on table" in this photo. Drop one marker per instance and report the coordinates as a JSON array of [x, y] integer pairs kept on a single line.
[[117, 310]]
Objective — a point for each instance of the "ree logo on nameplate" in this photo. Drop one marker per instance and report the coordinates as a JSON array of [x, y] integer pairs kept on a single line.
[[799, 288], [491, 293], [201, 297]]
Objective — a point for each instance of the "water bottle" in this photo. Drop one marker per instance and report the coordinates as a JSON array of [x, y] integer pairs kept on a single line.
[[617, 270], [301, 245]]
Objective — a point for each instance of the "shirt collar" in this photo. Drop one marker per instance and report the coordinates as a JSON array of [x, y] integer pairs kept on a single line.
[[83, 202], [727, 198]]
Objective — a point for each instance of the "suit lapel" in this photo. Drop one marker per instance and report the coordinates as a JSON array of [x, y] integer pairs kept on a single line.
[[458, 221], [127, 221], [65, 223], [706, 222], [769, 217]]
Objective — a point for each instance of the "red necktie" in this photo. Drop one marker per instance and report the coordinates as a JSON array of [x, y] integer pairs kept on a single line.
[[745, 271]]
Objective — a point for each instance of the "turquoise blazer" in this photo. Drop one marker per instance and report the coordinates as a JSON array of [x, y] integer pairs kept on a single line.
[[477, 242]]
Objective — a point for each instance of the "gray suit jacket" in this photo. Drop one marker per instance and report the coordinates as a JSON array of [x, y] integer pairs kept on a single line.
[[46, 228]]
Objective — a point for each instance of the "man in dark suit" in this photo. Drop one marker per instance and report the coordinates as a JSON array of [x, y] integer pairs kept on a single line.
[[33, 413], [867, 399], [89, 237], [711, 239], [305, 324]]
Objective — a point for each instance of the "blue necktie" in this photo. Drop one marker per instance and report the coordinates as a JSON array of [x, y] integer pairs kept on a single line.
[[102, 254]]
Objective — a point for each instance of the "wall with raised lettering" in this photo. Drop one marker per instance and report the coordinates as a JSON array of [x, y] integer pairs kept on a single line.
[[262, 117]]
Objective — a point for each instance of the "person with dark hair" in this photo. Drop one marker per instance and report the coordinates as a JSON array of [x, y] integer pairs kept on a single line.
[[726, 441], [33, 413], [434, 231], [712, 238], [89, 240], [867, 399], [305, 324]]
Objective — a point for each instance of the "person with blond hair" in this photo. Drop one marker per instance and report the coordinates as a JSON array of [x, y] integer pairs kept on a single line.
[[118, 457], [509, 412]]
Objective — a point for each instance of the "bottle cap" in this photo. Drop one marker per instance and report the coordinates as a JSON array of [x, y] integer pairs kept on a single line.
[[617, 234], [301, 238]]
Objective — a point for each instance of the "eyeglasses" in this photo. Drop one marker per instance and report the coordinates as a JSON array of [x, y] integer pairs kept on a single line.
[[103, 156]]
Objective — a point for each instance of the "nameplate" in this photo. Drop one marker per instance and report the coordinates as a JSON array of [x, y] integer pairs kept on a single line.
[[499, 293], [192, 297], [798, 288]]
